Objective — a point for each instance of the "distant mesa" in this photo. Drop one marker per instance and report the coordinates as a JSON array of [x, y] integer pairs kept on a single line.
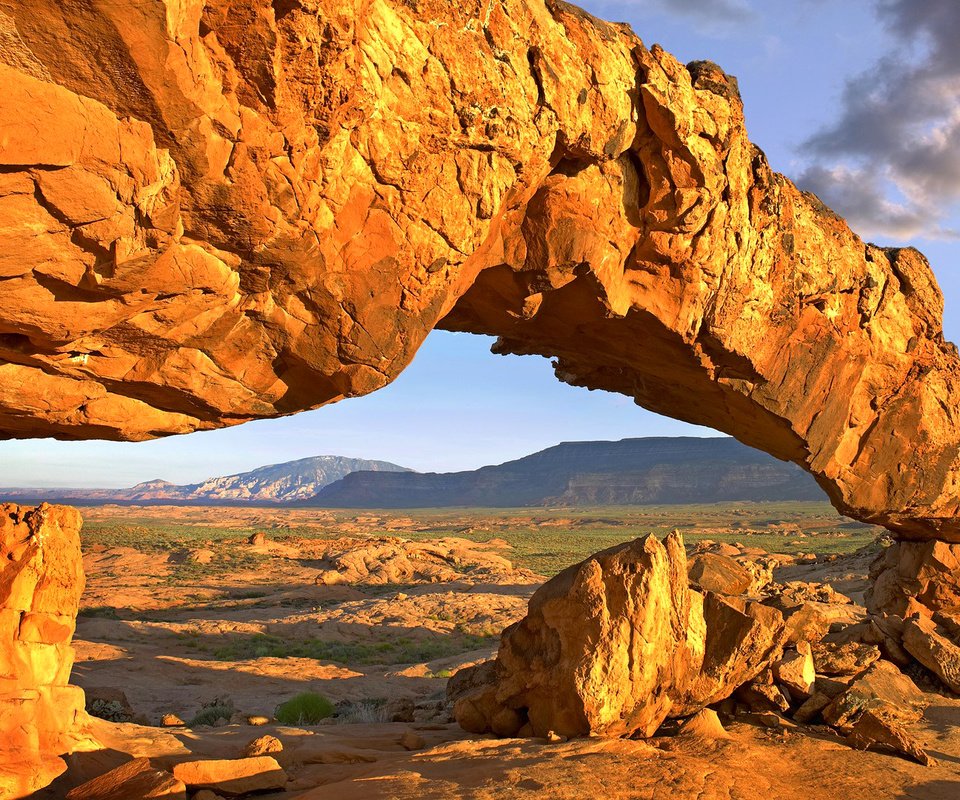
[[628, 472]]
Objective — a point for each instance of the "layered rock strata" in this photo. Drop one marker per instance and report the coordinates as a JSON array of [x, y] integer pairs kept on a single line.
[[213, 212], [41, 579], [615, 645]]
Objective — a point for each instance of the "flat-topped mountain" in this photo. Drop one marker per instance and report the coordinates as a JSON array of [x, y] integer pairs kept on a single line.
[[630, 471], [274, 483]]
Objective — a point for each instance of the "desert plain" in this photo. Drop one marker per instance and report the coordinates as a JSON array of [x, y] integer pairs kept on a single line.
[[218, 615]]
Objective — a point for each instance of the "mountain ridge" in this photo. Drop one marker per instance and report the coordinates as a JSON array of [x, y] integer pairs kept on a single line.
[[629, 471], [635, 471], [271, 483]]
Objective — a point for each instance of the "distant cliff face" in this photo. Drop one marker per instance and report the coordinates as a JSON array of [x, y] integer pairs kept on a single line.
[[275, 483], [294, 480], [632, 471], [213, 212]]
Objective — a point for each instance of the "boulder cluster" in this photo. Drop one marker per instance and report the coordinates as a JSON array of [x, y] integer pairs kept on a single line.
[[638, 634]]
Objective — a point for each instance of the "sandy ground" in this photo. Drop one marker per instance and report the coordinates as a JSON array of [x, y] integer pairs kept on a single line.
[[169, 648]]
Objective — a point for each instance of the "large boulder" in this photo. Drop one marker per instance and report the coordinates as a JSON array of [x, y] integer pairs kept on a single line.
[[135, 779], [712, 572], [41, 578], [935, 649], [915, 578], [219, 211], [615, 645]]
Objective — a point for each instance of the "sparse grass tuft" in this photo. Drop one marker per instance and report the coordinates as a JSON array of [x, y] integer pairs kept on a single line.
[[401, 650], [307, 708], [220, 708], [104, 612]]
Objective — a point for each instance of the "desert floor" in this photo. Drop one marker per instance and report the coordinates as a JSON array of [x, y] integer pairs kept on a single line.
[[375, 610]]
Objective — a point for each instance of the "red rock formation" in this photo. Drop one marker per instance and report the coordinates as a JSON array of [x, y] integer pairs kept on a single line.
[[41, 579], [615, 645], [221, 211]]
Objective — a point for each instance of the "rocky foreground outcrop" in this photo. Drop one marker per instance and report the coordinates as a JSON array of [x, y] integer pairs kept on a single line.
[[621, 643], [615, 645], [41, 579], [212, 212]]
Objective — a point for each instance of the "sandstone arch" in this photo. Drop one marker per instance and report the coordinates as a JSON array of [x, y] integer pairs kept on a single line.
[[216, 212]]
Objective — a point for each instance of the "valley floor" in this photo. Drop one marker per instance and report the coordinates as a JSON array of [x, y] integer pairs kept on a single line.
[[192, 609]]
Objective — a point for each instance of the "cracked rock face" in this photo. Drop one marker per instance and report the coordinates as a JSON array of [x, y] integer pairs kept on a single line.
[[41, 579], [615, 645], [214, 212]]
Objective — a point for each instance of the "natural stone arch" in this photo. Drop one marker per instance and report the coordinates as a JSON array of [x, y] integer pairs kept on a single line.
[[220, 212]]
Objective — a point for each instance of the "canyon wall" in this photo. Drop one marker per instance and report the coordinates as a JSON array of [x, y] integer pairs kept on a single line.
[[215, 212], [41, 579]]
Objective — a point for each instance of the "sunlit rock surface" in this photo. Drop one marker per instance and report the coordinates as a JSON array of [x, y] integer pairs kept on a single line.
[[213, 212], [41, 579], [615, 645]]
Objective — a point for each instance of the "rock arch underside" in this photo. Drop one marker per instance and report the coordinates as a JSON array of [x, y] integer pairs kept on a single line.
[[216, 212]]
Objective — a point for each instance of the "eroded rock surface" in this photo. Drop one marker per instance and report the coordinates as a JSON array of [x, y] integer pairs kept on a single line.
[[41, 579], [212, 212], [617, 644]]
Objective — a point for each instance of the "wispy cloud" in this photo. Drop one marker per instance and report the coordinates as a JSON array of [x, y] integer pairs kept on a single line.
[[709, 11], [709, 17], [898, 130]]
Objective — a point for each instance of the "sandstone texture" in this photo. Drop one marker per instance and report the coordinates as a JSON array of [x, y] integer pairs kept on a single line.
[[41, 579], [232, 776], [214, 212], [916, 578], [135, 779], [617, 644]]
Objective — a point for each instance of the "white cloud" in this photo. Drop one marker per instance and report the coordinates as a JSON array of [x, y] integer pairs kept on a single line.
[[898, 130]]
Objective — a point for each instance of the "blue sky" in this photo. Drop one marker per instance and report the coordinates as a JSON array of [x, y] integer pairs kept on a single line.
[[857, 101]]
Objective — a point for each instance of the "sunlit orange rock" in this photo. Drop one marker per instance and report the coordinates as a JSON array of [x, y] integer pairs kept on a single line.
[[615, 645], [214, 212], [41, 578]]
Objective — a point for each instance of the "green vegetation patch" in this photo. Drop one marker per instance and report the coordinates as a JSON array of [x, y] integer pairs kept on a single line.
[[400, 650], [308, 708]]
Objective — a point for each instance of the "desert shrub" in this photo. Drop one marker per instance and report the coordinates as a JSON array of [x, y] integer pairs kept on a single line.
[[367, 711], [440, 673], [220, 708], [111, 710], [106, 612], [400, 650], [307, 708]]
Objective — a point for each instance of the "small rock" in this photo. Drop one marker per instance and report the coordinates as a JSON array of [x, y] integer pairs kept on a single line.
[[760, 697], [171, 721], [812, 706], [257, 539], [873, 731], [258, 720], [232, 776], [201, 556], [135, 779], [716, 573], [882, 688], [401, 709], [238, 718], [770, 720], [262, 746], [832, 687], [412, 741], [795, 671], [926, 643], [849, 658], [553, 738]]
